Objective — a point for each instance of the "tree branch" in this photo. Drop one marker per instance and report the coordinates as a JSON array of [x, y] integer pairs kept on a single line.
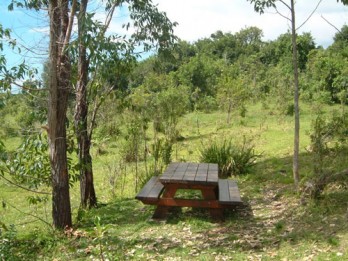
[[109, 17], [70, 25], [32, 215], [288, 6], [315, 9], [95, 110], [27, 88], [338, 30], [22, 187], [287, 18]]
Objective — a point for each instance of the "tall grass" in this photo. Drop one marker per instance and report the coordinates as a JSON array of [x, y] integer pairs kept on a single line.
[[232, 159]]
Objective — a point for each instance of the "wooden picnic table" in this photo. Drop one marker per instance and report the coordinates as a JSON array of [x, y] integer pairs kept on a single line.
[[217, 194]]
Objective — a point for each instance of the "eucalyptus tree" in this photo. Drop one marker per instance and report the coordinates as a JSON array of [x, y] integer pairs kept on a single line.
[[151, 26], [260, 6], [232, 91], [61, 15], [97, 50]]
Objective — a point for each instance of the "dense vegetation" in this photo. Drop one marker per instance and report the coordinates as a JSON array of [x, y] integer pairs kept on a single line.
[[227, 96]]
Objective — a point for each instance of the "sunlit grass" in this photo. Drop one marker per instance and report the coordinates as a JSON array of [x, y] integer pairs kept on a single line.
[[273, 226]]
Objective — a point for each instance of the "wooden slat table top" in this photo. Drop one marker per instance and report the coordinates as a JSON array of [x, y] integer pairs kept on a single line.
[[191, 173]]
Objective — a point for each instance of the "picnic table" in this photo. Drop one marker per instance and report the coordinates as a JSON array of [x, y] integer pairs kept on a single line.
[[217, 194]]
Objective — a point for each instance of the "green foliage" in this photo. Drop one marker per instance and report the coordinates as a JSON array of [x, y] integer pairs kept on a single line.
[[9, 75], [29, 165], [261, 5], [3, 153], [326, 73], [232, 91], [345, 2], [134, 135], [162, 150], [207, 104], [8, 238], [200, 73], [232, 159], [327, 137], [171, 104]]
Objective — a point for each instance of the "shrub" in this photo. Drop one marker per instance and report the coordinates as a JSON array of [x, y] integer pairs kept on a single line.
[[328, 138], [8, 238], [231, 159]]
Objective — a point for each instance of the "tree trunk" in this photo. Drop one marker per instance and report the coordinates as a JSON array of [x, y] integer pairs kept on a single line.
[[296, 174], [229, 111], [59, 87], [87, 192]]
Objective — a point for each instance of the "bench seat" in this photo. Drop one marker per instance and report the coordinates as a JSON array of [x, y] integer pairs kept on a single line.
[[229, 193], [151, 192]]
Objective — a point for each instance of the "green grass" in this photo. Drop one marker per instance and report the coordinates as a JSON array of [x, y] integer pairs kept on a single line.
[[275, 224]]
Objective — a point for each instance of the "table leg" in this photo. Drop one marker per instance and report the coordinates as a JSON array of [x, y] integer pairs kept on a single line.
[[215, 213], [161, 211]]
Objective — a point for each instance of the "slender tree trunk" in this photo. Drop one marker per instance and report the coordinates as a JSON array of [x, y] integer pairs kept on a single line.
[[229, 110], [59, 87], [296, 174], [87, 192]]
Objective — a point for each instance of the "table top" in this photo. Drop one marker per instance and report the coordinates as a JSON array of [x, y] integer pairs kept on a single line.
[[191, 173]]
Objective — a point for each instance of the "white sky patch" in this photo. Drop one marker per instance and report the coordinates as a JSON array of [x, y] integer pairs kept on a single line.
[[197, 19], [200, 18]]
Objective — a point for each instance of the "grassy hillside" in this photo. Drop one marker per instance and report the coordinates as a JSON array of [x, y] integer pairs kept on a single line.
[[275, 224]]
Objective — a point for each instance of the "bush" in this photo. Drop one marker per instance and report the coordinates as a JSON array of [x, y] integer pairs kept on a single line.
[[8, 238], [328, 138], [207, 104], [231, 159]]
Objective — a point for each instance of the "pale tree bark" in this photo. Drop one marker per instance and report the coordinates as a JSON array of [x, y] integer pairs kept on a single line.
[[260, 6], [87, 191], [59, 88], [295, 169]]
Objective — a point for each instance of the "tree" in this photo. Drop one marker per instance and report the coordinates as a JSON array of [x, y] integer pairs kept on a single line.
[[259, 6], [95, 52], [59, 89], [345, 2], [231, 91], [87, 191]]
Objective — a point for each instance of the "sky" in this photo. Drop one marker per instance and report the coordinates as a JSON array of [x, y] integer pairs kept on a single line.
[[196, 19], [200, 18]]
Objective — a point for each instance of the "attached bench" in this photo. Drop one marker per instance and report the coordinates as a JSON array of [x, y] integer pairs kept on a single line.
[[151, 192], [229, 193]]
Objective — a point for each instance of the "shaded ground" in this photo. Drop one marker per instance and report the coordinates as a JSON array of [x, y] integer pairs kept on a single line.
[[273, 226]]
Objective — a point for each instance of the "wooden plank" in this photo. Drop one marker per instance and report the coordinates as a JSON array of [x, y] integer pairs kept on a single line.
[[229, 192], [195, 203], [224, 194], [234, 191], [156, 190], [182, 166], [190, 172], [178, 176], [213, 166], [178, 173], [213, 173], [202, 172], [152, 189], [204, 166], [173, 165], [170, 170]]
